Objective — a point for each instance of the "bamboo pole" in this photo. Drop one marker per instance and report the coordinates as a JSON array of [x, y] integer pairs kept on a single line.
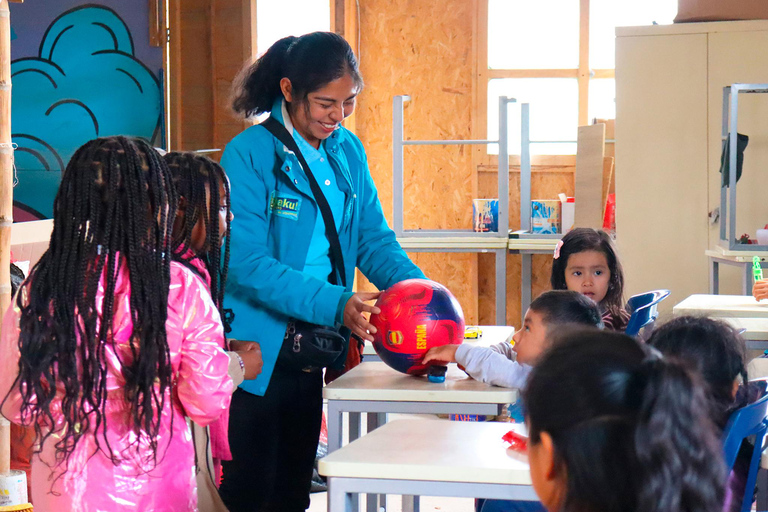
[[6, 197]]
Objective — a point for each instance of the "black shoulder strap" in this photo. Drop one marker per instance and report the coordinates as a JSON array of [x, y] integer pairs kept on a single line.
[[281, 133]]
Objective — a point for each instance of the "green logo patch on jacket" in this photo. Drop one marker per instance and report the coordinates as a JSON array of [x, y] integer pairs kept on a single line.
[[285, 206]]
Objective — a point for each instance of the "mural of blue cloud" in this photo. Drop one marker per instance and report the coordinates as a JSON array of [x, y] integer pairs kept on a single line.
[[84, 83]]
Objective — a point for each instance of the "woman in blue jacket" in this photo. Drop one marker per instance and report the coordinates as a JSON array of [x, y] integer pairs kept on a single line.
[[280, 267]]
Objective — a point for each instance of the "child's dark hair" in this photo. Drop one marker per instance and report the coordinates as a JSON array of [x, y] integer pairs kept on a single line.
[[588, 239], [309, 62], [712, 348], [194, 177], [567, 307], [113, 210], [628, 429]]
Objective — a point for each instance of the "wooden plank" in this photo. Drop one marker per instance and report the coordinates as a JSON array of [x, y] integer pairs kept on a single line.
[[6, 198], [589, 176], [532, 73]]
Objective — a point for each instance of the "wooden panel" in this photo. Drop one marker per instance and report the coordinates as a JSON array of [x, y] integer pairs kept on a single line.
[[552, 176], [739, 57], [195, 75], [433, 63], [589, 176], [661, 163]]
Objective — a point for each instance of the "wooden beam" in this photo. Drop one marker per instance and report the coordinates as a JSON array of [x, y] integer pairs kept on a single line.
[[532, 73], [175, 126], [6, 197], [345, 22], [158, 25], [584, 74]]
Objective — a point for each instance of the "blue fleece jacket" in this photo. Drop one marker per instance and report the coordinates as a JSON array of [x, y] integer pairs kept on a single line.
[[275, 215]]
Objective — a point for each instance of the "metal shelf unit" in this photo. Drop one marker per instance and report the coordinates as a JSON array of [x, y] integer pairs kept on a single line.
[[728, 198], [460, 240]]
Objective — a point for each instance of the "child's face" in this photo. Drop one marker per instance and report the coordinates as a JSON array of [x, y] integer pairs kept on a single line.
[[199, 233], [587, 272], [530, 340], [324, 109]]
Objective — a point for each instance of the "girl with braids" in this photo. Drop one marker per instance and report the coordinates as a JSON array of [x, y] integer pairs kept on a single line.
[[200, 231], [286, 263], [615, 428], [109, 343]]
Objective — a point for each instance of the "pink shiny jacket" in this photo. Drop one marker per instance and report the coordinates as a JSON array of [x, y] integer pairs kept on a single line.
[[202, 391]]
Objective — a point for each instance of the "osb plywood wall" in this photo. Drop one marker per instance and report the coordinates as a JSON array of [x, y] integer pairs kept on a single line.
[[549, 176], [424, 49]]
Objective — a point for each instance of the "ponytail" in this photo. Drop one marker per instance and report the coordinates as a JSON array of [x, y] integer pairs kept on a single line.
[[674, 440], [310, 62], [627, 428], [258, 85]]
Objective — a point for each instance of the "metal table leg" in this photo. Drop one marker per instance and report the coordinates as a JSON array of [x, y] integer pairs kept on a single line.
[[525, 284], [714, 277]]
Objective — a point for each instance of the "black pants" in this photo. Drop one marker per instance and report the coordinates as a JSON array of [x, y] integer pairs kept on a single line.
[[273, 439]]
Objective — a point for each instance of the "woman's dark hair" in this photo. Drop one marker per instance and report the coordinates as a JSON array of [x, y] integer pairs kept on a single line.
[[628, 429], [710, 347], [194, 177], [309, 62], [567, 307], [113, 212], [588, 239]]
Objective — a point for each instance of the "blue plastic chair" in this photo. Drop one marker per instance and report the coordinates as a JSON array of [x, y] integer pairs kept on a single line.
[[643, 311], [743, 423]]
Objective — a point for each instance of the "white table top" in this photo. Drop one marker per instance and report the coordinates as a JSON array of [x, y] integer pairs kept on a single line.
[[727, 306], [756, 329], [735, 256], [432, 450], [375, 381], [480, 242], [491, 335]]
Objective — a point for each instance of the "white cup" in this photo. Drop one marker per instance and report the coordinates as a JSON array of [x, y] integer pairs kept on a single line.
[[762, 236]]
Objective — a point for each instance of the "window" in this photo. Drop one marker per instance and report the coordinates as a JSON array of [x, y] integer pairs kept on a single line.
[[274, 20], [559, 57]]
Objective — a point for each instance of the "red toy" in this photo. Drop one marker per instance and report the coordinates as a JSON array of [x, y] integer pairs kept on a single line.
[[517, 442], [416, 315]]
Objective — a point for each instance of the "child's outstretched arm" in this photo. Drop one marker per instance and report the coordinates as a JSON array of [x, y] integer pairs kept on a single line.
[[491, 366], [441, 354]]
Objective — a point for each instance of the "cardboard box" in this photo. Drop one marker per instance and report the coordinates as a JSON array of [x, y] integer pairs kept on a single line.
[[720, 10], [485, 215], [545, 216]]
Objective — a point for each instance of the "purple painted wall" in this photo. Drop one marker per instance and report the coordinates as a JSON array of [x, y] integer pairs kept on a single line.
[[30, 20]]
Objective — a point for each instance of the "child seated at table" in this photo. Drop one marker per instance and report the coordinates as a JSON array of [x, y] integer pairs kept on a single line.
[[508, 365], [614, 428], [717, 352], [585, 261]]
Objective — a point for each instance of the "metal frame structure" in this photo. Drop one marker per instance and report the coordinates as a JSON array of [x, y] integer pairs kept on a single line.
[[456, 240], [729, 133]]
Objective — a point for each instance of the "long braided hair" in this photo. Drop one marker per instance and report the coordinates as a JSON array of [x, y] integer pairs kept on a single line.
[[114, 209], [197, 180]]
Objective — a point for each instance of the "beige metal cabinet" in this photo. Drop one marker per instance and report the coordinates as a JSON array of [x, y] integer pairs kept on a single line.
[[669, 82]]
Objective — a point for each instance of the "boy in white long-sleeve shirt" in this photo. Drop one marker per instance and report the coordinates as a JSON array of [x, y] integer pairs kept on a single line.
[[507, 365]]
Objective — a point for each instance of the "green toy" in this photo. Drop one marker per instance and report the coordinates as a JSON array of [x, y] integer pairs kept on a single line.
[[757, 270]]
